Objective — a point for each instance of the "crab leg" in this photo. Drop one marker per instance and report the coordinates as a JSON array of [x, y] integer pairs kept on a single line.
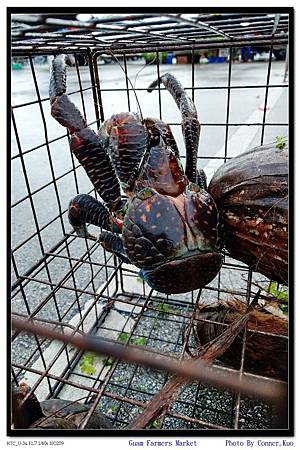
[[126, 140], [114, 244], [84, 142], [190, 124], [85, 209], [201, 179]]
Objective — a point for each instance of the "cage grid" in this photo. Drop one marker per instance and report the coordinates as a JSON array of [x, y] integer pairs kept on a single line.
[[74, 285], [40, 32]]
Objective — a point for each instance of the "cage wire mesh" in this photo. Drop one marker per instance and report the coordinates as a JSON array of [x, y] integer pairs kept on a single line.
[[74, 285]]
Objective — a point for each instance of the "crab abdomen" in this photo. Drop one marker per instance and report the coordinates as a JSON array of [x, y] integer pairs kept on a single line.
[[186, 274], [251, 192]]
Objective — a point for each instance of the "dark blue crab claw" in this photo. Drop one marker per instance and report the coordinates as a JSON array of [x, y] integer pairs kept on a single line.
[[85, 209], [114, 244]]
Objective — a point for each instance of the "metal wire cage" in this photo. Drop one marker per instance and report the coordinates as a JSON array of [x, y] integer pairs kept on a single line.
[[73, 285]]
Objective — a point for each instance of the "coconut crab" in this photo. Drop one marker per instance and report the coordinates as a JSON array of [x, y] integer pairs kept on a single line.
[[168, 226]]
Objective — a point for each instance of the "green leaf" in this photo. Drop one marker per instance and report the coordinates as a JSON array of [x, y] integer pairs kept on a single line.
[[280, 142], [272, 286], [123, 336], [87, 364], [113, 409], [280, 295], [283, 296], [139, 341], [153, 424], [163, 309], [108, 362], [284, 308]]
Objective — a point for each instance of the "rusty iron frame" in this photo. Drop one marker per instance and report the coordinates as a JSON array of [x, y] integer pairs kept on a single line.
[[31, 40]]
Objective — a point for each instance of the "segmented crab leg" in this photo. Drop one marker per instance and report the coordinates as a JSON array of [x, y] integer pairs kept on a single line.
[[156, 129], [201, 179], [84, 142], [126, 140], [85, 209], [190, 124], [114, 244]]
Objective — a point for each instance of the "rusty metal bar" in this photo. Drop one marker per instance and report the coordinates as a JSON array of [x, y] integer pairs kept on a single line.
[[190, 370]]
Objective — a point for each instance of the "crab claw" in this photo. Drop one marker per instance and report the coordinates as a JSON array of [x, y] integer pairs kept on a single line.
[[85, 209], [85, 144], [114, 244]]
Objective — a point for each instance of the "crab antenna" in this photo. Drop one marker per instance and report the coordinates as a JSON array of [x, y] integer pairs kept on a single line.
[[129, 81], [141, 69]]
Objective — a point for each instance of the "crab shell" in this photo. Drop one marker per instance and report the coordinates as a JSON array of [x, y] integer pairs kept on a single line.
[[170, 229]]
